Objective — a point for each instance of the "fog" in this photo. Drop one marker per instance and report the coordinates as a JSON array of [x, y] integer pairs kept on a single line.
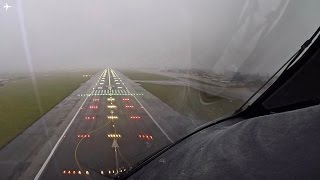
[[235, 35]]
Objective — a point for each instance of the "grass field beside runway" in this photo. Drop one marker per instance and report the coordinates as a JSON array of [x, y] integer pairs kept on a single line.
[[192, 102], [138, 75], [18, 103], [186, 100]]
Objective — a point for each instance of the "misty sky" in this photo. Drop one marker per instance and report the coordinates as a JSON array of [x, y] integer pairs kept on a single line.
[[220, 35]]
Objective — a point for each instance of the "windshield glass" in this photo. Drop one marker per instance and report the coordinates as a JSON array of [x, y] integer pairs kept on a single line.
[[90, 88]]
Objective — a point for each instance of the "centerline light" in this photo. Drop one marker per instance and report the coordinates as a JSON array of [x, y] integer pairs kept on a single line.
[[112, 117], [114, 136], [110, 99], [112, 106]]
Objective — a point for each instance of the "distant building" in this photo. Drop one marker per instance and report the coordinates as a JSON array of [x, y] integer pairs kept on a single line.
[[3, 81]]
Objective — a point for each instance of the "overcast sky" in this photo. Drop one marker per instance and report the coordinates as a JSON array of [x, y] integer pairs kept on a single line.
[[233, 35]]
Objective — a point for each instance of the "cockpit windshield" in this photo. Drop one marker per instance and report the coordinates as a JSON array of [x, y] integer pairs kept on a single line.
[[88, 89]]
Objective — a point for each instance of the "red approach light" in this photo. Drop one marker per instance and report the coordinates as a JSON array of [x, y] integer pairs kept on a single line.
[[89, 118], [125, 99], [83, 135], [95, 99], [93, 107], [135, 117], [145, 137], [127, 106]]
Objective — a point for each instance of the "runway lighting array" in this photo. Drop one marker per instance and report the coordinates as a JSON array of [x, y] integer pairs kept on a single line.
[[125, 99], [112, 117], [145, 137], [112, 106], [86, 75], [83, 135], [135, 117], [95, 99], [114, 135], [115, 171], [70, 172], [93, 107], [74, 172], [110, 99], [111, 94], [89, 118], [127, 106]]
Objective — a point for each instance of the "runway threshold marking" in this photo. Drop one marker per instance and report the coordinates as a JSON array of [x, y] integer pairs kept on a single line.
[[155, 122], [60, 139]]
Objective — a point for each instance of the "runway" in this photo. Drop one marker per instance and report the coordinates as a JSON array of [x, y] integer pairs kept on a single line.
[[110, 133]]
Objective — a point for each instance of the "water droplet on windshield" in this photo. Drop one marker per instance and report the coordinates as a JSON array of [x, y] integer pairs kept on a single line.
[[162, 160]]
